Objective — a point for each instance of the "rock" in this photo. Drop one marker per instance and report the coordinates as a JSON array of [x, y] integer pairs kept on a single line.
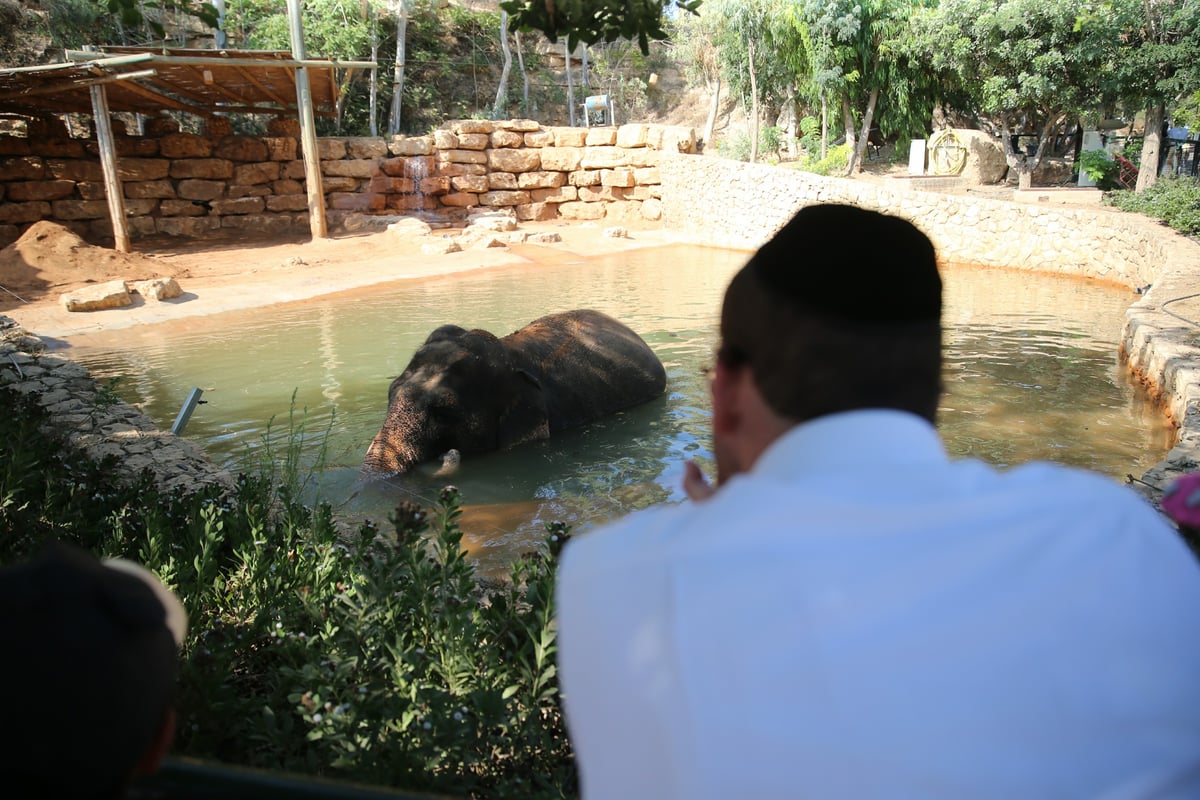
[[440, 247], [409, 227], [543, 237], [986, 164], [112, 294], [616, 232], [156, 288], [494, 221]]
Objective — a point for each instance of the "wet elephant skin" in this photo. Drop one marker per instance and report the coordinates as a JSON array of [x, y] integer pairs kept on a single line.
[[473, 392]]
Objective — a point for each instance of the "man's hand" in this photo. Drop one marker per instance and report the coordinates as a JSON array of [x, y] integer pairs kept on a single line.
[[695, 484]]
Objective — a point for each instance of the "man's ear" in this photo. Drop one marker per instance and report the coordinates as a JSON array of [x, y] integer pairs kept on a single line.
[[157, 750], [726, 400]]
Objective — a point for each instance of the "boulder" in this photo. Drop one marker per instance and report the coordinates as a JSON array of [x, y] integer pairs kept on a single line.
[[156, 288], [112, 294], [985, 158]]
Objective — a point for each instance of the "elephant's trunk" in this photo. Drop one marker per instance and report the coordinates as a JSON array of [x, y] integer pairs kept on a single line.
[[396, 448]]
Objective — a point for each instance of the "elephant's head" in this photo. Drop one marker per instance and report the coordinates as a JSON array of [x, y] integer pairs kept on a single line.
[[463, 390]]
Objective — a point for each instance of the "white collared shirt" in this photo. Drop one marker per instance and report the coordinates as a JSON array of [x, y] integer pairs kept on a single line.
[[862, 617]]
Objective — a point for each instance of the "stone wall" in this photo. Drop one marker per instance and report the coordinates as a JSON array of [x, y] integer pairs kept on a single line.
[[731, 204], [184, 184]]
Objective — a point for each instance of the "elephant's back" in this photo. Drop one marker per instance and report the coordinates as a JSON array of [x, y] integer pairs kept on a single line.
[[589, 365]]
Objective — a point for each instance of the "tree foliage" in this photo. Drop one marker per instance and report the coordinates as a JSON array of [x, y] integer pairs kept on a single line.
[[592, 21]]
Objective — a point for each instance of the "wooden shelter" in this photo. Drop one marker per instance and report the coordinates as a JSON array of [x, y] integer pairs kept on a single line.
[[201, 82]]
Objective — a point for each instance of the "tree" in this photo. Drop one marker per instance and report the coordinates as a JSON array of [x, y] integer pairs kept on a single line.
[[592, 21], [500, 107], [1025, 63], [694, 46]]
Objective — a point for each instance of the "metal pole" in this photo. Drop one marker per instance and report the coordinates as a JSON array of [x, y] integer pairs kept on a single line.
[[114, 192], [185, 413], [308, 131]]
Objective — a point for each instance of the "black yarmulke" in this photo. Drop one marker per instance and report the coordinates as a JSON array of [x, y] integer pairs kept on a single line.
[[849, 263]]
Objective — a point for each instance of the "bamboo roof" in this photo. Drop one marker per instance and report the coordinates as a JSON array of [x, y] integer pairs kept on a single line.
[[151, 80]]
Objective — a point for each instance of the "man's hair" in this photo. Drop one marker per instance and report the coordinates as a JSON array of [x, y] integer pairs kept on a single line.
[[90, 664], [841, 310]]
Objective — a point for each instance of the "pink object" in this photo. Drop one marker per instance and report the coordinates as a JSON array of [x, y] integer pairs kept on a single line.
[[1181, 500]]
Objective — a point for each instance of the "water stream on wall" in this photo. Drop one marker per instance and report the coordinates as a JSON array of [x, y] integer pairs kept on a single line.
[[1032, 372]]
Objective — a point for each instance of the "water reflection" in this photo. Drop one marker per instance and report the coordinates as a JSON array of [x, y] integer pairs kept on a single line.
[[1031, 373]]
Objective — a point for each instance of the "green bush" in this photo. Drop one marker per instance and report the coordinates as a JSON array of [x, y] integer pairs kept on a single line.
[[353, 655], [1174, 200], [1100, 167], [836, 159]]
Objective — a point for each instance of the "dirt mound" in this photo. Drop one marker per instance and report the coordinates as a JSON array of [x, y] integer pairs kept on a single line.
[[51, 259]]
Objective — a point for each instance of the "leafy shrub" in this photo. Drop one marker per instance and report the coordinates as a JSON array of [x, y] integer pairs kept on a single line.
[[1098, 166], [348, 654], [1174, 200], [836, 159]]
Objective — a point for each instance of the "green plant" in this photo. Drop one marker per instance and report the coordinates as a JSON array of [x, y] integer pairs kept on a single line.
[[835, 160], [1174, 200], [1100, 167]]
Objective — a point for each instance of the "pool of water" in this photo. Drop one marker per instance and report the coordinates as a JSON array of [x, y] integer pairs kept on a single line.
[[1032, 372]]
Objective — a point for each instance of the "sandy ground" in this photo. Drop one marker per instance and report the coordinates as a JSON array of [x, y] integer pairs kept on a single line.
[[235, 272]]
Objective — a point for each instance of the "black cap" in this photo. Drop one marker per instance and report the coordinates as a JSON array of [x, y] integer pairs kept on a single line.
[[89, 664], [852, 264]]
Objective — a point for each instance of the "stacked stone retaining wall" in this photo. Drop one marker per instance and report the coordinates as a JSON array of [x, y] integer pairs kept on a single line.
[[191, 185]]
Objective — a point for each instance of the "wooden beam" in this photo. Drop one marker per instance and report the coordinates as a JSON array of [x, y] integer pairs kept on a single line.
[[267, 90], [113, 189], [308, 130]]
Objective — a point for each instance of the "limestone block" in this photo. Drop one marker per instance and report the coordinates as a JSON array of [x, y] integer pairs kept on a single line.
[[562, 194], [581, 210], [191, 227], [623, 212], [502, 180], [23, 168], [453, 170], [352, 168], [652, 209], [240, 148], [366, 147], [470, 183], [598, 137], [562, 159], [460, 199], [646, 192], [647, 176], [569, 137], [155, 189], [157, 127], [631, 136], [143, 169], [14, 146], [281, 148], [679, 139], [19, 212], [183, 208], [141, 206], [61, 148], [495, 221], [644, 157], [539, 139], [184, 145], [79, 209], [257, 190], [240, 205], [262, 223], [444, 140], [250, 174], [395, 185], [68, 170], [434, 185], [520, 125], [194, 189], [986, 164], [509, 160], [138, 226], [474, 141], [544, 237], [128, 146], [356, 201], [536, 212], [40, 190], [286, 186], [584, 178], [205, 168], [156, 288], [604, 157], [408, 228], [330, 149], [287, 202], [504, 138], [293, 170], [394, 166], [216, 127], [541, 180], [111, 294], [284, 127], [616, 232], [412, 202], [469, 126], [411, 146], [608, 194], [440, 247], [462, 157], [484, 242], [502, 198], [617, 177], [339, 184]]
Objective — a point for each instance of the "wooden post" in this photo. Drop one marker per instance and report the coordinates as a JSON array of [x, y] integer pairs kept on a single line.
[[308, 131], [108, 163]]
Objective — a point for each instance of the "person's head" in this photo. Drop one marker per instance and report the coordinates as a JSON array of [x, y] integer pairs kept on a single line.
[[89, 663], [840, 310]]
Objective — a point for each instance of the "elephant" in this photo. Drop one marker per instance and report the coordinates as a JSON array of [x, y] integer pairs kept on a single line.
[[470, 391]]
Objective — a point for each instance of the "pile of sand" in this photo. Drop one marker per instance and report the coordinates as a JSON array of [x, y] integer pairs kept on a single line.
[[50, 259]]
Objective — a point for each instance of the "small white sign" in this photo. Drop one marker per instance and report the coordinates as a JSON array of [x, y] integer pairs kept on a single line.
[[916, 157]]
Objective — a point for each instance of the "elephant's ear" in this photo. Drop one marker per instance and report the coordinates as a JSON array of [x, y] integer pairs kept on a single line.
[[524, 417]]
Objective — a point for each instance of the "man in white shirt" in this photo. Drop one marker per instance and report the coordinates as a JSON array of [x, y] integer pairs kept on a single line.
[[851, 614]]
